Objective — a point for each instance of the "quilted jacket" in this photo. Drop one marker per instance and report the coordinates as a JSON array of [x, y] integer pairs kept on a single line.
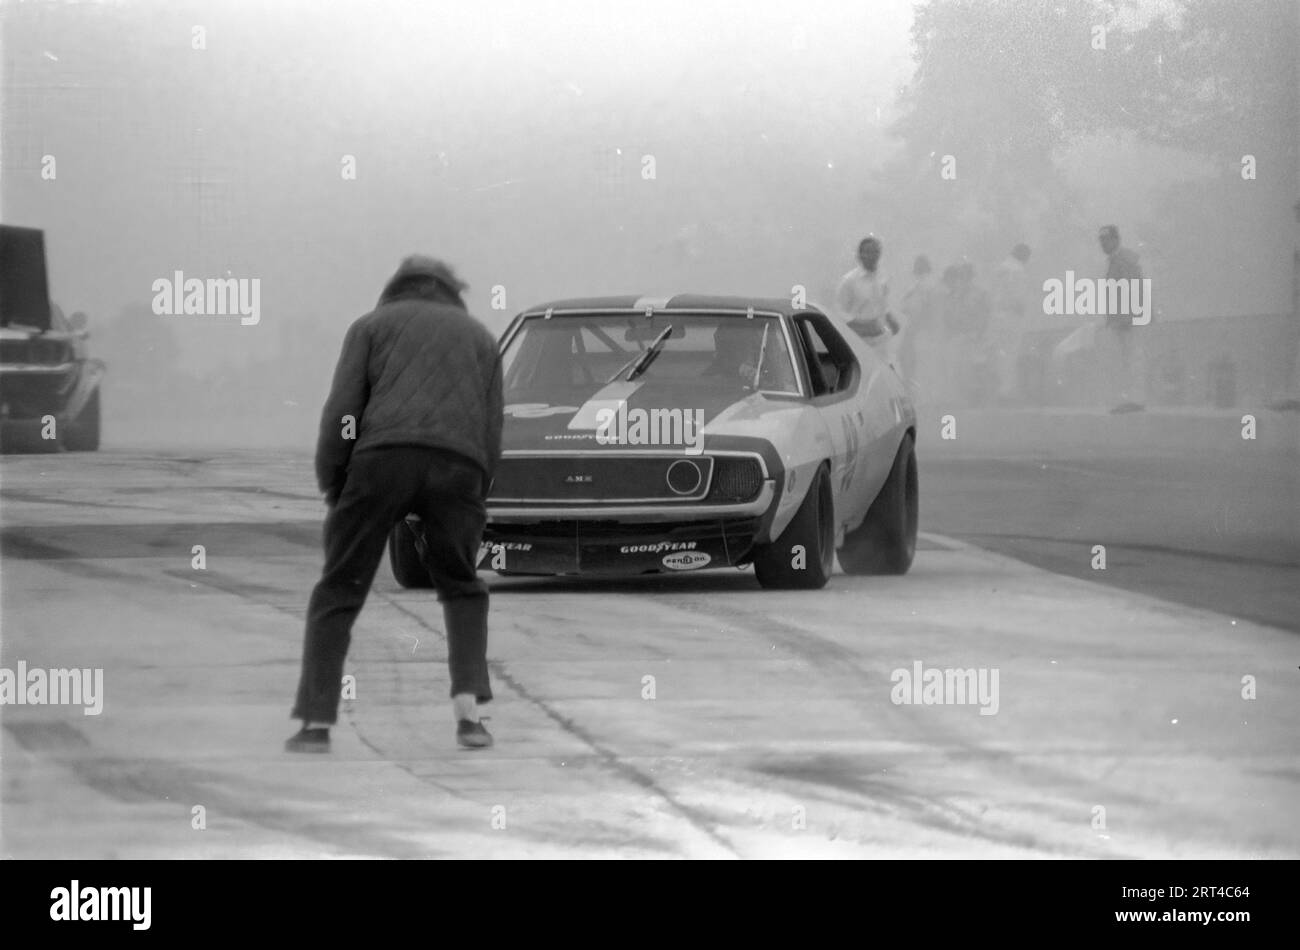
[[417, 370]]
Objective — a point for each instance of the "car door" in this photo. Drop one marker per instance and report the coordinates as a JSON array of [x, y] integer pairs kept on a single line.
[[836, 379]]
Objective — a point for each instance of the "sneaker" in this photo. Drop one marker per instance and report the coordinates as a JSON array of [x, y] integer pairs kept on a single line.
[[308, 740], [473, 735], [1127, 407], [1286, 404]]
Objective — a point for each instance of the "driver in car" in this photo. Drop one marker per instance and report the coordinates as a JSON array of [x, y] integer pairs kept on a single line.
[[737, 346]]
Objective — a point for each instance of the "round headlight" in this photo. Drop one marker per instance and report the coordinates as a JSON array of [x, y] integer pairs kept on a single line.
[[684, 477]]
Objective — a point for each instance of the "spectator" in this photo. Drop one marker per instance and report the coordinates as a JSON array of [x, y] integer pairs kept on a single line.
[[863, 298], [1011, 294], [412, 424], [966, 316], [921, 305], [1126, 359]]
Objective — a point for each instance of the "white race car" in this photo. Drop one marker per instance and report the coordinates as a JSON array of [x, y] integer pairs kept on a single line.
[[689, 432]]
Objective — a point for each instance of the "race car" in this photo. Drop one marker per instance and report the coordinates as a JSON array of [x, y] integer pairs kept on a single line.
[[49, 386], [682, 433]]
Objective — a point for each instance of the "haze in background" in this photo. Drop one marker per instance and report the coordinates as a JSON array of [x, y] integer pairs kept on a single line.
[[546, 149]]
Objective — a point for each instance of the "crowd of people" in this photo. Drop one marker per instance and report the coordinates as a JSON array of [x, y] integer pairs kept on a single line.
[[960, 337]]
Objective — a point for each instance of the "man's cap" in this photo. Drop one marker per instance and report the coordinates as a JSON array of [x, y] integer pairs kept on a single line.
[[1108, 230]]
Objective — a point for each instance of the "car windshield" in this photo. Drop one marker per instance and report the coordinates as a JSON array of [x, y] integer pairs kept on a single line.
[[581, 353]]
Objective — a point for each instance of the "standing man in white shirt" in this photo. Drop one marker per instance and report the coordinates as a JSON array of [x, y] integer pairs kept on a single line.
[[863, 299], [921, 312], [1010, 306]]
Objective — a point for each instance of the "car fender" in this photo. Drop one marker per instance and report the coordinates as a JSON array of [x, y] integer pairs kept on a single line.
[[88, 380], [798, 434]]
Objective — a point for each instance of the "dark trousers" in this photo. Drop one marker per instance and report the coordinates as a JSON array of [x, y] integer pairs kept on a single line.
[[384, 485]]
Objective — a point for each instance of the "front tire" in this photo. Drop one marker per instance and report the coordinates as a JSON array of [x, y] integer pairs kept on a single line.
[[803, 557], [404, 556], [885, 542]]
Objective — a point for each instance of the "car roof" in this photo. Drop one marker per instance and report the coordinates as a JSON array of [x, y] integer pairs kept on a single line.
[[661, 303]]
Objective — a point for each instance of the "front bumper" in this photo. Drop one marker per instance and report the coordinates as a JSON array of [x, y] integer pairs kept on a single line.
[[30, 391], [622, 536], [618, 548]]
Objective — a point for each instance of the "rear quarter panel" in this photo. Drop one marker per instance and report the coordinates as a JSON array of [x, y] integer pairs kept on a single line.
[[886, 413]]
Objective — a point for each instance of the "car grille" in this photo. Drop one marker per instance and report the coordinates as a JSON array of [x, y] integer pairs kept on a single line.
[[601, 478], [736, 479], [34, 351]]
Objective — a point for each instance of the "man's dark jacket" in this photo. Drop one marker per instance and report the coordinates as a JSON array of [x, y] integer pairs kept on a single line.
[[416, 370]]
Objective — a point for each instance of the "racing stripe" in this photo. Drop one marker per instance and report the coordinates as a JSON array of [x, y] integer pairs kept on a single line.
[[609, 396]]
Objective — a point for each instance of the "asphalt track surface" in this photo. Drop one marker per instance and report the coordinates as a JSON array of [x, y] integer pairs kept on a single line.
[[680, 716]]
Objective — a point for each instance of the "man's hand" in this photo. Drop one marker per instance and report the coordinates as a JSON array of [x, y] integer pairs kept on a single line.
[[332, 497], [866, 326]]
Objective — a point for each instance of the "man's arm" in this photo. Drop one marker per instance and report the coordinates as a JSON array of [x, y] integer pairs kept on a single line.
[[891, 320], [844, 296], [348, 395], [495, 419]]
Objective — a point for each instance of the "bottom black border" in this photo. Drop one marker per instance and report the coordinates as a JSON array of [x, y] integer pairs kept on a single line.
[[988, 899]]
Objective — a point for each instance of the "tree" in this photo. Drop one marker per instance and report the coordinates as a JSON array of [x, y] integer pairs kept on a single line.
[[1003, 87]]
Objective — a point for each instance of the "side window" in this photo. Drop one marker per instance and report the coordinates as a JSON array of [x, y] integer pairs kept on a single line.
[[812, 364], [829, 354]]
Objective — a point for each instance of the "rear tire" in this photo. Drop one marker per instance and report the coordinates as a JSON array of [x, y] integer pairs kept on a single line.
[[813, 530], [83, 431], [885, 542], [405, 558]]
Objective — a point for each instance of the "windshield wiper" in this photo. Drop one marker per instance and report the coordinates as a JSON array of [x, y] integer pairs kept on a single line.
[[619, 372], [641, 362]]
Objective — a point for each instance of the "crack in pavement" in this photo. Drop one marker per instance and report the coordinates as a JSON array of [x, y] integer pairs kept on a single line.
[[605, 756]]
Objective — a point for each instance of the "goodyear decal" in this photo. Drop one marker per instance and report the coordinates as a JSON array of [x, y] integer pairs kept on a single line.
[[497, 548], [658, 547]]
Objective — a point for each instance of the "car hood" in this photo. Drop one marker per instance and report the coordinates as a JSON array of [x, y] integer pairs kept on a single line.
[[567, 418], [24, 288]]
